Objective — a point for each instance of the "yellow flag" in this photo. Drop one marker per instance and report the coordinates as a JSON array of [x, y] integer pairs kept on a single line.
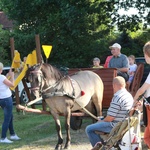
[[47, 50]]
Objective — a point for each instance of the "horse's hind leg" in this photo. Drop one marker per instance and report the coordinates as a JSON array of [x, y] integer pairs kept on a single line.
[[67, 126], [97, 100]]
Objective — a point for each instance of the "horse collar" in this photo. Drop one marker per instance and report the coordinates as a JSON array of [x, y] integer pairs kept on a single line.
[[61, 92]]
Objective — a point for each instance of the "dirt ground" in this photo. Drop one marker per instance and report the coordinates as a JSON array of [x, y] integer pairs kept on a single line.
[[79, 142]]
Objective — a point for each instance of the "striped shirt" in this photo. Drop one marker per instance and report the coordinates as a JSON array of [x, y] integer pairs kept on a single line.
[[121, 103]]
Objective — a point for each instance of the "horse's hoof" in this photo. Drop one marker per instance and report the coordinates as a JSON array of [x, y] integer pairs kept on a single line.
[[67, 147], [58, 147]]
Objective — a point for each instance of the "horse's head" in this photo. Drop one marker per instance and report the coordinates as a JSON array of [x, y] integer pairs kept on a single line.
[[42, 76], [35, 76]]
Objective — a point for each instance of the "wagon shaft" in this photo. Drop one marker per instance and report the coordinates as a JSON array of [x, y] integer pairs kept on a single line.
[[32, 110]]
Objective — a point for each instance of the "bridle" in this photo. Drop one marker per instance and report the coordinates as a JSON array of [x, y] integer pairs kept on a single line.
[[36, 72], [40, 82]]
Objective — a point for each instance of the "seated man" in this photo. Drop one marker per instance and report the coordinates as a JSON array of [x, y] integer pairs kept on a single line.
[[96, 63], [119, 61], [122, 101]]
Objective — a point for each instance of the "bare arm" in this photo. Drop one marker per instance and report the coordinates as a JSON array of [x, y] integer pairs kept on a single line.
[[109, 118], [10, 82], [141, 90], [123, 69]]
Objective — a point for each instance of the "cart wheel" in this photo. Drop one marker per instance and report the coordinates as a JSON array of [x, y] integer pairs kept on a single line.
[[75, 122]]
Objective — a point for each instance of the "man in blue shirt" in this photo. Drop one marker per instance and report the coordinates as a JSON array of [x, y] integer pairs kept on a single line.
[[119, 61]]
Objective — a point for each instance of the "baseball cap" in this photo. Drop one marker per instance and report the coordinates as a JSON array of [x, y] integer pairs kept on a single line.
[[115, 45]]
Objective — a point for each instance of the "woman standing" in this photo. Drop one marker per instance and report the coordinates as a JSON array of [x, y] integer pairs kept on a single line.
[[146, 88], [7, 106]]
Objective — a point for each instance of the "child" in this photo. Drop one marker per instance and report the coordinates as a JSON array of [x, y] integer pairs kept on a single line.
[[23, 63], [132, 69], [96, 63]]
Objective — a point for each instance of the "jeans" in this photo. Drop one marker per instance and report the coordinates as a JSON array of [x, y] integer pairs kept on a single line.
[[7, 106], [99, 126], [124, 75]]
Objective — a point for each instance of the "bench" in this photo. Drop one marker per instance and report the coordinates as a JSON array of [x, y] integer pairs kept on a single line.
[[137, 79]]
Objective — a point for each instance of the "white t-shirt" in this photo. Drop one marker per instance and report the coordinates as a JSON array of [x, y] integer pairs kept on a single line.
[[4, 89], [132, 68], [147, 94]]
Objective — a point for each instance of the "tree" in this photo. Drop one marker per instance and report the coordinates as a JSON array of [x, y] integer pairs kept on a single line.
[[131, 22], [78, 29], [71, 27], [4, 47]]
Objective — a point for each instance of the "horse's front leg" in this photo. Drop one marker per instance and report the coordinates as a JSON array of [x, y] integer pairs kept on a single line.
[[59, 133], [67, 126]]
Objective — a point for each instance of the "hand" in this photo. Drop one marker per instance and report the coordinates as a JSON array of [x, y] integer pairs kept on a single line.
[[137, 104], [11, 73]]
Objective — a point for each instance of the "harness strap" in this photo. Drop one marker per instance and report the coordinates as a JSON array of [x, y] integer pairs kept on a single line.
[[59, 93]]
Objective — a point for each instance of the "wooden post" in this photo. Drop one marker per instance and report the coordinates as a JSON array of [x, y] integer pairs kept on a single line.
[[12, 47], [27, 91], [39, 60], [38, 48]]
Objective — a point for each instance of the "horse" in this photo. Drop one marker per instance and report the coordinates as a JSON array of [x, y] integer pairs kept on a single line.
[[65, 94]]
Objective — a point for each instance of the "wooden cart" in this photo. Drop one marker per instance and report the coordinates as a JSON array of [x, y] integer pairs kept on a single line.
[[107, 75]]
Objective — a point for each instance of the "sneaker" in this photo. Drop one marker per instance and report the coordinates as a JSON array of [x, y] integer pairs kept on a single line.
[[6, 141], [14, 137]]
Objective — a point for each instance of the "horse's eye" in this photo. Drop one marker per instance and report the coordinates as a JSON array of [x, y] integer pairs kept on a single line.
[[29, 78]]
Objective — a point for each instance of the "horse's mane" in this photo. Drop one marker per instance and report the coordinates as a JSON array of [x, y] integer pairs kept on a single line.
[[51, 72]]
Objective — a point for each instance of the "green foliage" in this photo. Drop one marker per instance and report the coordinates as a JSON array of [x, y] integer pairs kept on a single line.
[[72, 27], [24, 43], [4, 47], [78, 30], [131, 22], [133, 42]]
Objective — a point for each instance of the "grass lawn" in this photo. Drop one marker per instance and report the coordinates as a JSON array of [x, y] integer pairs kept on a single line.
[[30, 128]]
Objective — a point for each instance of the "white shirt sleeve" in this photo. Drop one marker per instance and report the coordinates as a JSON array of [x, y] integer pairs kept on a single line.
[[147, 94], [148, 79]]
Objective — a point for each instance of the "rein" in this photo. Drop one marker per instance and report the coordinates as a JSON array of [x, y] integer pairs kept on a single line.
[[55, 84]]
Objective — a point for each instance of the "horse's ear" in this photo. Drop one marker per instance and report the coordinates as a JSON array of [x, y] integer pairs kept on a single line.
[[40, 64], [27, 73], [28, 66]]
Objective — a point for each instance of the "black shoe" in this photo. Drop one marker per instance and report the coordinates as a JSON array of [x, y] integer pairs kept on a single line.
[[97, 146]]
